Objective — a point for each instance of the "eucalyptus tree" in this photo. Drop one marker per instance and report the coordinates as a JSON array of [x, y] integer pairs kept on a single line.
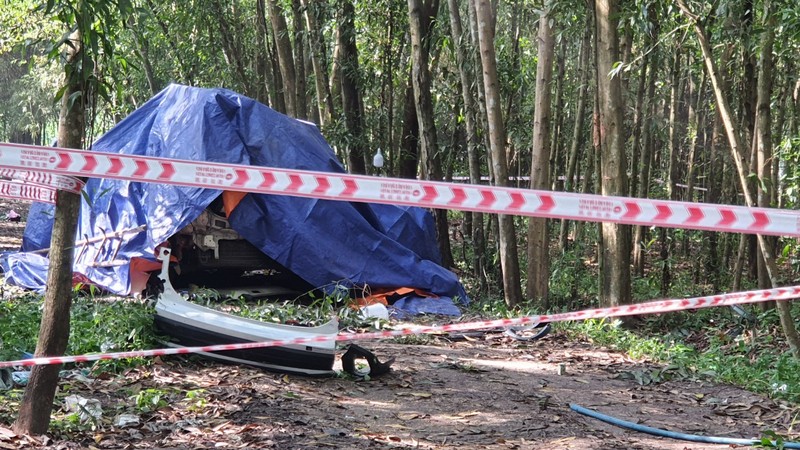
[[89, 26], [538, 237], [734, 136], [509, 259], [615, 244]]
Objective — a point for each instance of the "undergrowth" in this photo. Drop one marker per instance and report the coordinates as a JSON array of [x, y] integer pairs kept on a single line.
[[706, 344], [96, 325]]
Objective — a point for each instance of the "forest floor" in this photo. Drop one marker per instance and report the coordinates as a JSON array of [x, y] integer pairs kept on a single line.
[[480, 390]]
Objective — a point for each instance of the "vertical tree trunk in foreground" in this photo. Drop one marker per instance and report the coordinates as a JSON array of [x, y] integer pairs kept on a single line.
[[615, 278], [734, 139], [538, 242], [763, 132], [577, 130], [509, 260], [420, 15], [324, 98], [37, 403], [351, 104], [285, 58], [473, 158]]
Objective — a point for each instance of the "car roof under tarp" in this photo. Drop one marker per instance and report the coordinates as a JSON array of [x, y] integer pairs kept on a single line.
[[326, 243]]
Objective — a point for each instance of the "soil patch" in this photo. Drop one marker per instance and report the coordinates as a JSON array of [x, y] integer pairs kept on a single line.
[[488, 392]]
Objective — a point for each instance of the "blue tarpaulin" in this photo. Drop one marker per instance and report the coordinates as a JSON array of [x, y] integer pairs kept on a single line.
[[324, 242]]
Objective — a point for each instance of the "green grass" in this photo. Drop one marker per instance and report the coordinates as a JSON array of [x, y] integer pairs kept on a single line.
[[709, 344], [97, 325]]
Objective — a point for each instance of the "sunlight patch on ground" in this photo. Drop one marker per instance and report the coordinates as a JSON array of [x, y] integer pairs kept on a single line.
[[519, 366]]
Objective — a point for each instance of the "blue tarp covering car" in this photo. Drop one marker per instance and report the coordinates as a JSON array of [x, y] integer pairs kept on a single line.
[[326, 243]]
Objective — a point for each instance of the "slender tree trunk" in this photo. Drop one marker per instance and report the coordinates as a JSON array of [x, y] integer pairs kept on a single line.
[[473, 158], [37, 402], [715, 185], [285, 58], [734, 139], [318, 61], [409, 153], [351, 103], [557, 157], [640, 185], [577, 130], [509, 260], [420, 17], [267, 92], [696, 119], [301, 105], [763, 136], [615, 285], [538, 242]]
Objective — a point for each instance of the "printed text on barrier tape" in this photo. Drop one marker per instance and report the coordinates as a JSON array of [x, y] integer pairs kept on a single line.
[[333, 186], [660, 306], [25, 191], [64, 183]]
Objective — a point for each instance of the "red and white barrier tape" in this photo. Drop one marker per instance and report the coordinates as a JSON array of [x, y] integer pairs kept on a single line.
[[25, 191], [62, 182], [660, 306], [333, 186]]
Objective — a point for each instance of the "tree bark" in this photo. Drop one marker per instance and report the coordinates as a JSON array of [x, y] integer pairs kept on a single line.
[[285, 58], [615, 278], [640, 185], [557, 157], [473, 158], [763, 132], [577, 130], [37, 402], [509, 260], [318, 60], [734, 139], [420, 17], [538, 242], [301, 104], [351, 103]]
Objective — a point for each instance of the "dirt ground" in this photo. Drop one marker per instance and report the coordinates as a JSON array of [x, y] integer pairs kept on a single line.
[[444, 392], [487, 392]]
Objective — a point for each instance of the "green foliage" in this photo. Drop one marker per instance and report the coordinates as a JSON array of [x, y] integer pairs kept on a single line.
[[19, 325], [97, 325], [708, 344], [771, 439], [149, 400]]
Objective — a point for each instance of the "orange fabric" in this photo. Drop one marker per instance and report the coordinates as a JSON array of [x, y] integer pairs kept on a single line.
[[231, 200], [385, 295]]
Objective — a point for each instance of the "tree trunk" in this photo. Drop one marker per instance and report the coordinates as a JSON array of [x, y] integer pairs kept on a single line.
[[301, 105], [557, 157], [285, 58], [37, 402], [271, 68], [734, 139], [763, 132], [473, 158], [538, 248], [615, 285], [640, 185], [420, 17], [351, 104], [509, 261], [577, 130], [409, 149], [318, 60]]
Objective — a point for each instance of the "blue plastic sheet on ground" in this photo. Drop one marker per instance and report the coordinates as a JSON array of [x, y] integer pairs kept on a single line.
[[324, 242]]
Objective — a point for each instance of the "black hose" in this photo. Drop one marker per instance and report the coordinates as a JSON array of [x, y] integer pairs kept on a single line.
[[672, 434]]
